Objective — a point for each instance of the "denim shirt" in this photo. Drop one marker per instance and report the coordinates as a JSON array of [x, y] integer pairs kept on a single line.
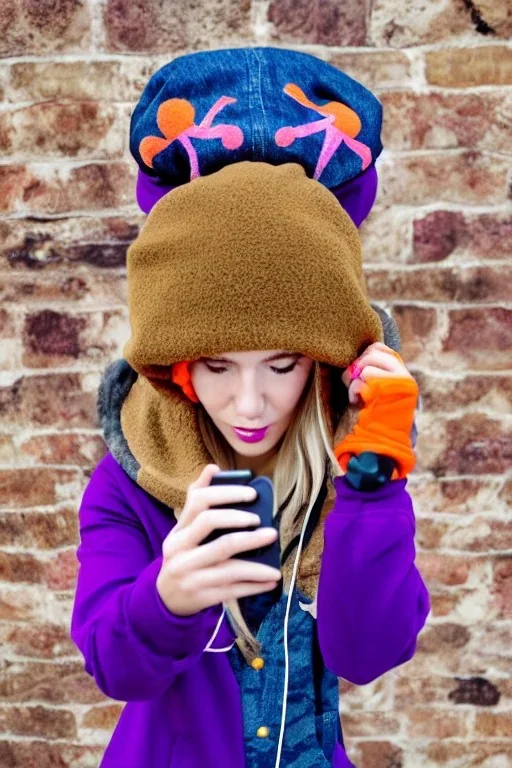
[[312, 713]]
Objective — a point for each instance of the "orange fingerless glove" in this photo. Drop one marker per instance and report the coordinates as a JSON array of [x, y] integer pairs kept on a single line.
[[384, 423]]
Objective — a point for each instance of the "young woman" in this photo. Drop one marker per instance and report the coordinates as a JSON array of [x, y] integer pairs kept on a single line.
[[253, 345]]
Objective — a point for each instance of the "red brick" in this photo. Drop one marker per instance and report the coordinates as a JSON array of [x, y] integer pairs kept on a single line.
[[71, 242], [57, 338], [464, 753], [27, 487], [375, 754], [39, 190], [374, 69], [52, 333], [57, 573], [39, 530], [372, 724], [54, 400], [451, 604], [38, 639], [502, 586], [63, 682], [493, 724], [48, 129], [19, 567], [420, 691], [480, 534], [426, 722], [440, 638], [18, 604], [469, 67], [38, 721], [442, 284], [475, 444], [417, 327], [44, 26], [460, 496], [404, 23], [465, 177], [60, 572], [76, 80], [104, 717], [324, 23], [442, 234], [85, 290], [440, 393], [480, 338], [445, 121], [146, 26], [450, 570], [43, 754], [71, 449]]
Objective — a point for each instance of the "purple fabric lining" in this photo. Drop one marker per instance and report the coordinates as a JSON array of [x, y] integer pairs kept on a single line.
[[356, 196]]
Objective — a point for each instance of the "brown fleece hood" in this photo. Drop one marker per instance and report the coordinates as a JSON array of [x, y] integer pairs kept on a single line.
[[252, 257]]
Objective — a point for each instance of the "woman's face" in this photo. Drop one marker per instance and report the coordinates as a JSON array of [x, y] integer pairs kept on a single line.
[[251, 390]]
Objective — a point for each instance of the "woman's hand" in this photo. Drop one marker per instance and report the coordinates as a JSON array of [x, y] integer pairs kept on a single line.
[[387, 396], [378, 360], [194, 576]]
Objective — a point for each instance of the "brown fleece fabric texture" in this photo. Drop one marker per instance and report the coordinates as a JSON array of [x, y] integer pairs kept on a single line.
[[252, 257]]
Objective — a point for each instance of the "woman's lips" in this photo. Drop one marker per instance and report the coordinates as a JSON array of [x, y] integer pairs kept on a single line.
[[250, 435]]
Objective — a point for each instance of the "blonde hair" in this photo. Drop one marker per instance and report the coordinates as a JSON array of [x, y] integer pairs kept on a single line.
[[302, 460]]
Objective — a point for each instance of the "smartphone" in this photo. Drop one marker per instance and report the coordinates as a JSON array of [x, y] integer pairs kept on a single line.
[[263, 506]]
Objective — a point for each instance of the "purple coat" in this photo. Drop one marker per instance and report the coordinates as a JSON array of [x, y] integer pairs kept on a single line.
[[183, 701]]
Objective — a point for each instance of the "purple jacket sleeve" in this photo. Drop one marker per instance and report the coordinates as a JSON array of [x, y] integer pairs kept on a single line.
[[371, 602], [132, 644]]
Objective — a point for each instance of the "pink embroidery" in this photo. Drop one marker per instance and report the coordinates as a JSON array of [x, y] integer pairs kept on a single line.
[[175, 118], [340, 124]]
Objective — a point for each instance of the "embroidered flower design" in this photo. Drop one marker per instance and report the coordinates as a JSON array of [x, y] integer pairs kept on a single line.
[[175, 118], [341, 124]]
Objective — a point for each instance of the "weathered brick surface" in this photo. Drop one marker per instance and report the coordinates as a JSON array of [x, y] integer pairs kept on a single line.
[[472, 178], [401, 23], [36, 190], [74, 242], [44, 26], [436, 249], [81, 129], [159, 27], [467, 67], [326, 23], [375, 69], [447, 120]]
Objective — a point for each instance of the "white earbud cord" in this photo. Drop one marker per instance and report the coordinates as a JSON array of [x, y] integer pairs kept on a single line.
[[295, 567]]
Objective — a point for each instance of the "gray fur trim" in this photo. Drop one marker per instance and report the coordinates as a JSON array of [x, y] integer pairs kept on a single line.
[[392, 340], [391, 332], [116, 382]]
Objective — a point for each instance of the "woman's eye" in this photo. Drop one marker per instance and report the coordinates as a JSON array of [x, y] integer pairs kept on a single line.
[[276, 370], [285, 370], [214, 370]]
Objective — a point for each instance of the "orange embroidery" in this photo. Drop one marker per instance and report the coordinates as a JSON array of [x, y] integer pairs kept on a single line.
[[175, 118], [341, 124]]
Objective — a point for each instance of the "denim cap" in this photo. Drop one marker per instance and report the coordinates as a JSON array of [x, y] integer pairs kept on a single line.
[[205, 110]]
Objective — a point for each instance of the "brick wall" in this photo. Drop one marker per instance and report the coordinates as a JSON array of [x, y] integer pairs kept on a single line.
[[435, 251]]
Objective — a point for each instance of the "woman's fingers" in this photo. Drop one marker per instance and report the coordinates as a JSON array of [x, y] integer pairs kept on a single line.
[[375, 360]]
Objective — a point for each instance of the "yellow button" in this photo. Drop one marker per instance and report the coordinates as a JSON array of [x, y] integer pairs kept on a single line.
[[262, 731], [257, 663]]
